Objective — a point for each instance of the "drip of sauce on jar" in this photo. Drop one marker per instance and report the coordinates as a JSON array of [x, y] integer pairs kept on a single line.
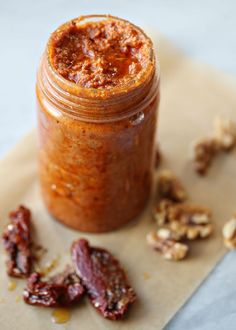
[[60, 315]]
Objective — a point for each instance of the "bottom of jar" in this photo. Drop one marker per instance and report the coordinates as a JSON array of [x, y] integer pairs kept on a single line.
[[80, 224]]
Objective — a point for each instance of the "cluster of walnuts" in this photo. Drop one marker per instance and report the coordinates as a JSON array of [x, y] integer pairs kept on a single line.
[[178, 221]]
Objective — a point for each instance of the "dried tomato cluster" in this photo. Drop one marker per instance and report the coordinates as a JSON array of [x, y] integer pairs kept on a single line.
[[96, 272], [17, 243], [104, 279], [64, 290]]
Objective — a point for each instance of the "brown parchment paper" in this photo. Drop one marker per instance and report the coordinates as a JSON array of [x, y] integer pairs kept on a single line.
[[192, 94]]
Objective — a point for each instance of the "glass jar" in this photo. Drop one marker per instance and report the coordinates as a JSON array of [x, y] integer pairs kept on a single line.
[[96, 146]]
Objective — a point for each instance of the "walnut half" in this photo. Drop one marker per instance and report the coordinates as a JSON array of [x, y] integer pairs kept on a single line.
[[229, 233], [185, 221], [223, 138], [169, 248], [204, 150], [170, 187], [225, 133]]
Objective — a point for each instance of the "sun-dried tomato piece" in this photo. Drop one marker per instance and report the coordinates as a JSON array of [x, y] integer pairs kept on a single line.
[[17, 242], [62, 290], [104, 279]]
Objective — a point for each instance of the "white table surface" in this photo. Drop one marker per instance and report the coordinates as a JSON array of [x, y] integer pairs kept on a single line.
[[203, 29]]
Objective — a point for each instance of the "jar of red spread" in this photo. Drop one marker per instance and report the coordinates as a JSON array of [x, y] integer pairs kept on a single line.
[[97, 94]]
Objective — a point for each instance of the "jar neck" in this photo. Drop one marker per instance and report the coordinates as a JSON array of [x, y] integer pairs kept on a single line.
[[101, 106]]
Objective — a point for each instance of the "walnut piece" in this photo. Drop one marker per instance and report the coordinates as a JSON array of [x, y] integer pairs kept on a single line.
[[169, 248], [225, 133], [168, 233], [170, 187], [222, 139], [185, 221], [161, 212], [204, 150], [229, 233]]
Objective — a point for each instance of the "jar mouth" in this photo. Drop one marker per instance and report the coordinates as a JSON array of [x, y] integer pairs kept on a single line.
[[101, 93], [98, 105]]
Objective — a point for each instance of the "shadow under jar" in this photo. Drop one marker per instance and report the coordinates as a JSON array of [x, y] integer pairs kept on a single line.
[[97, 95]]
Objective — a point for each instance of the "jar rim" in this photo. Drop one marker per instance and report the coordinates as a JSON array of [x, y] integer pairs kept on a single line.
[[101, 93], [98, 105]]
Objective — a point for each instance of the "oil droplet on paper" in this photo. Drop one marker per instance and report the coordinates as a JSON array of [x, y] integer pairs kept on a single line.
[[146, 276], [60, 315], [50, 265], [11, 285]]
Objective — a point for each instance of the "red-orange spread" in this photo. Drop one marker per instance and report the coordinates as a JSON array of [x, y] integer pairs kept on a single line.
[[99, 54], [98, 93]]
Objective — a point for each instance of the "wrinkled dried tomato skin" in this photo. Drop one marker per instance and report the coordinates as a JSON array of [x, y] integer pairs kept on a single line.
[[17, 243], [61, 291], [104, 279]]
